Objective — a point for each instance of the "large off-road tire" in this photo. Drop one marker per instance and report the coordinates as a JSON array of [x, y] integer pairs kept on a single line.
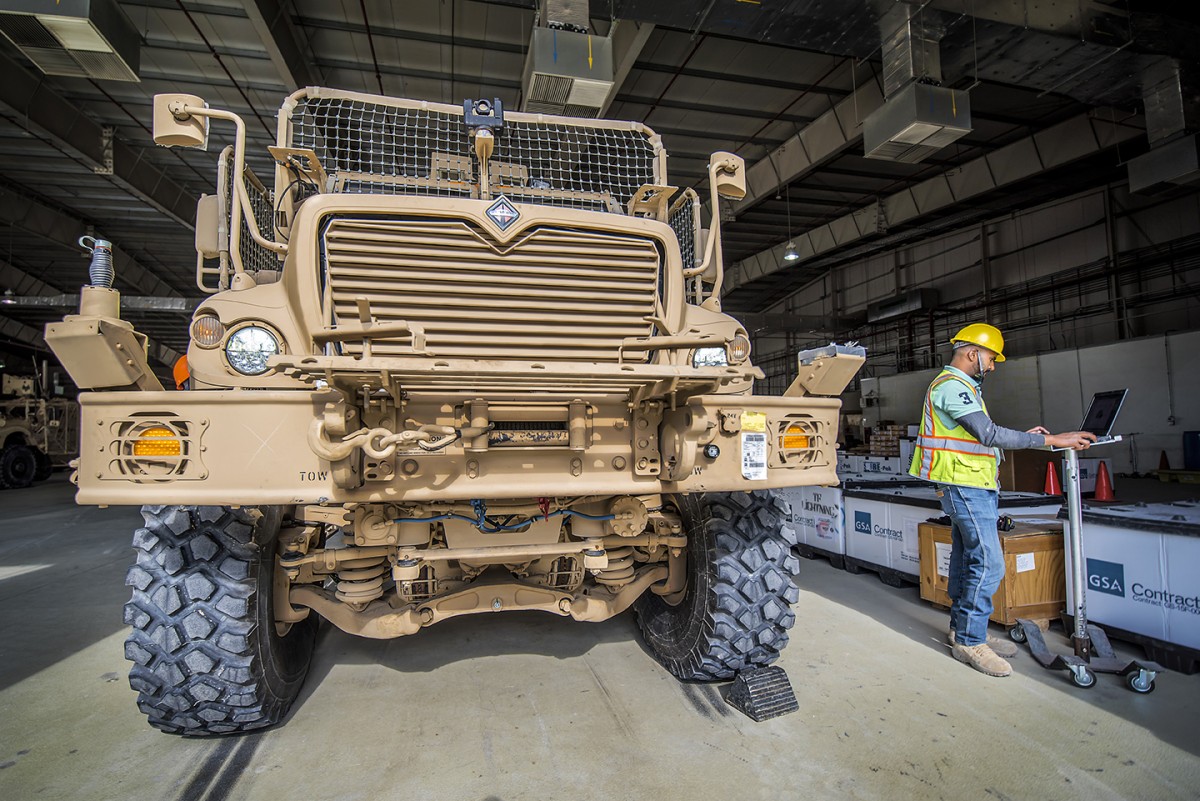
[[207, 655], [18, 466], [737, 609], [45, 467]]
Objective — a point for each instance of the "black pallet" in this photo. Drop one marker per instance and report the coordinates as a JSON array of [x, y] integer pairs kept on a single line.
[[1170, 655], [838, 560], [889, 576]]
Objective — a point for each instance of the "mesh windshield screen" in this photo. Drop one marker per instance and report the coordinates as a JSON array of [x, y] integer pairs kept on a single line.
[[371, 147]]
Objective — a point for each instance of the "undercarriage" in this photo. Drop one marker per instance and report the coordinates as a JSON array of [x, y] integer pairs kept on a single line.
[[385, 571]]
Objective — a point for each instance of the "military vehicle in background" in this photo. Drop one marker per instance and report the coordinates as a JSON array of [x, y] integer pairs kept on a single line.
[[37, 433], [454, 360]]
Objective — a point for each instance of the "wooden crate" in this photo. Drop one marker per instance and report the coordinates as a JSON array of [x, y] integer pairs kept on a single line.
[[1034, 585]]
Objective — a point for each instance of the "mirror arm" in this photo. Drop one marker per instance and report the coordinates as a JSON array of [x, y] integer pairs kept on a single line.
[[712, 248], [241, 208]]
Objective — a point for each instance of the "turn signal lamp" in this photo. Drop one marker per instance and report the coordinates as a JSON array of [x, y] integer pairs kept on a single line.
[[157, 441], [794, 437], [207, 331], [739, 348]]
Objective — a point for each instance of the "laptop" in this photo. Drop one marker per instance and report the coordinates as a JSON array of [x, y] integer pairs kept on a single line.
[[1101, 415]]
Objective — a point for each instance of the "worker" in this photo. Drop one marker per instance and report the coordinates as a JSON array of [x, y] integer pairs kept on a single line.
[[959, 448], [182, 373]]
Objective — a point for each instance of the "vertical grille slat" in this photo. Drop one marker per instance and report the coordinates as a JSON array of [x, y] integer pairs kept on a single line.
[[553, 293]]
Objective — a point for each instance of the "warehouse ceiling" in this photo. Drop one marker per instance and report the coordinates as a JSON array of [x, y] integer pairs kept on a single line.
[[748, 77]]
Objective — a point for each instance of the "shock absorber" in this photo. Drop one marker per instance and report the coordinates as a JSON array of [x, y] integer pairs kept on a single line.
[[360, 581], [100, 271], [620, 568]]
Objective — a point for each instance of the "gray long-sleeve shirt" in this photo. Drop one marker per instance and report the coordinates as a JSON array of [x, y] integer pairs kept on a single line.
[[984, 429]]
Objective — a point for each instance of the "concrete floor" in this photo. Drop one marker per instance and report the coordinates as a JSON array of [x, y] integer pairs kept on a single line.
[[530, 706]]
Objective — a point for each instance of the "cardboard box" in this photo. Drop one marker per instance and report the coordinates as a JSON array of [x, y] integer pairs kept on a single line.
[[1034, 586], [850, 463], [1025, 471], [1141, 570], [883, 464]]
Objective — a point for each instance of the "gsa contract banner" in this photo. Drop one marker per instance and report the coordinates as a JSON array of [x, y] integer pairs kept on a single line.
[[1142, 576]]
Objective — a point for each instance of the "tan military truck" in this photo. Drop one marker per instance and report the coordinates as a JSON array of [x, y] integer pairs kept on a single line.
[[457, 360], [37, 433]]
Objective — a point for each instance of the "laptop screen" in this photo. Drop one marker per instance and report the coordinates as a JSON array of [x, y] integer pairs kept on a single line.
[[1103, 412]]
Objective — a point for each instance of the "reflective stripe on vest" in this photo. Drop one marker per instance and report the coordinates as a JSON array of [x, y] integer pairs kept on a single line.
[[951, 455], [958, 445]]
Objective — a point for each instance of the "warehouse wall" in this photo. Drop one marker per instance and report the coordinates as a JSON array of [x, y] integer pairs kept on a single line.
[[1052, 389], [1046, 275]]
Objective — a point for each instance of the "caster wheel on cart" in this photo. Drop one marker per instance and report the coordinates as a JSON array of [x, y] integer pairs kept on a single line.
[[1139, 682], [1017, 633], [1084, 678]]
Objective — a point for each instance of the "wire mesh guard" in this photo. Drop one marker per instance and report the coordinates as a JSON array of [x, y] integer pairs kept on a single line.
[[373, 147], [255, 257]]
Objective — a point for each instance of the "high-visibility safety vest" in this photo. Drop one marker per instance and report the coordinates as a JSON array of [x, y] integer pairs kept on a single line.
[[951, 455]]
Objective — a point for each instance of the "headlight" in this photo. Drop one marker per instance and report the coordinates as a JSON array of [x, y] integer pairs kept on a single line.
[[739, 348], [249, 348], [709, 357], [207, 331]]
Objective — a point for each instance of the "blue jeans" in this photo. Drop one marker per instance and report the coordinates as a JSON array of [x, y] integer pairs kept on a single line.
[[976, 559]]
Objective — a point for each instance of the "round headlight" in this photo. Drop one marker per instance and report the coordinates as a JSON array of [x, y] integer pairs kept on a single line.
[[709, 357], [207, 331], [249, 348], [739, 348]]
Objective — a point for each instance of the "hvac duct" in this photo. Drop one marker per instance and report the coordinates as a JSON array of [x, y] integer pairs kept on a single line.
[[1174, 157], [919, 116], [567, 70], [76, 38], [914, 300]]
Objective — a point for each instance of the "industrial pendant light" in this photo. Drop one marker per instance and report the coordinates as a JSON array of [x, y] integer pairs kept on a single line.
[[790, 254]]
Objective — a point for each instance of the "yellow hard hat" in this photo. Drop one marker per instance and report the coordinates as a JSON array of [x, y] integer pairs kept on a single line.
[[983, 335]]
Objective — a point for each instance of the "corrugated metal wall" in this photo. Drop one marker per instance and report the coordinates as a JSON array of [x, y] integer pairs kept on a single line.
[[1045, 275], [1051, 389]]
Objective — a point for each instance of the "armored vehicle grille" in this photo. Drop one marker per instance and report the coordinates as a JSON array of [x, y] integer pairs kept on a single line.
[[552, 294]]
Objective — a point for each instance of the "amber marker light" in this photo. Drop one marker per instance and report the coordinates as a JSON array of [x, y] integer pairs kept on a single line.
[[157, 441], [207, 331], [793, 438], [739, 348]]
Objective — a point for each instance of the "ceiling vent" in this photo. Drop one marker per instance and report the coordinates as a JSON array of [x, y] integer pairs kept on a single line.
[[916, 122], [75, 38], [568, 71], [919, 116]]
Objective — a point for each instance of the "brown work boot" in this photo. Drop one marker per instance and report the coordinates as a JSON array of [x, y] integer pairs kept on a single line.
[[982, 658], [1005, 648]]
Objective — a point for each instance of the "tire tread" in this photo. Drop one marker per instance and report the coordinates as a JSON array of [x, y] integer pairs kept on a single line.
[[196, 665], [745, 622]]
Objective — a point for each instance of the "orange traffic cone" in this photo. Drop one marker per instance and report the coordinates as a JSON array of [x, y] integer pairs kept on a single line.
[[1163, 464], [1053, 485], [1104, 488]]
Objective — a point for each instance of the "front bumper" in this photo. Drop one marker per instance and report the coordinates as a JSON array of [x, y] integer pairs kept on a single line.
[[251, 447]]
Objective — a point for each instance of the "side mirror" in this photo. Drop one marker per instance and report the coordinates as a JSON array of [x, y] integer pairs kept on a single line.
[[730, 173], [174, 127]]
